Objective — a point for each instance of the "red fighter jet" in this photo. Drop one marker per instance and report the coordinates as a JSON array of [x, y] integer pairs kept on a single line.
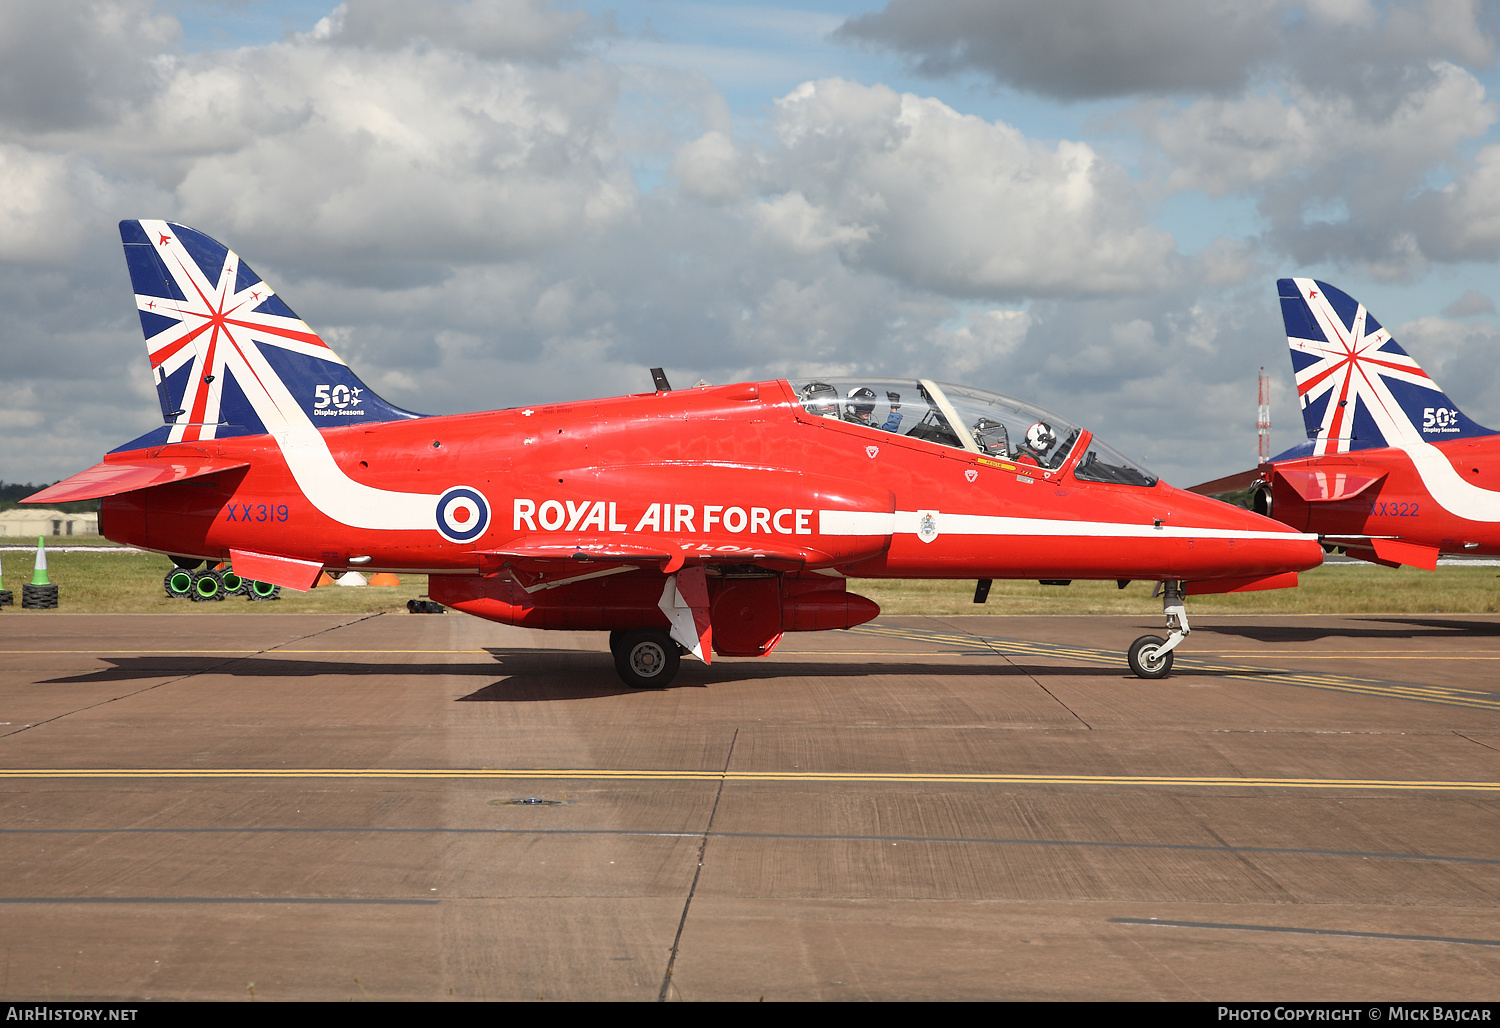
[[1391, 472], [705, 520]]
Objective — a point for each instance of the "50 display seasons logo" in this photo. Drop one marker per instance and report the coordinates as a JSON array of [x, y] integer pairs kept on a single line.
[[337, 401], [1440, 419]]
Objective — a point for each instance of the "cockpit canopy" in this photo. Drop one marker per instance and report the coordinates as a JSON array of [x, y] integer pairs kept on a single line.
[[967, 419]]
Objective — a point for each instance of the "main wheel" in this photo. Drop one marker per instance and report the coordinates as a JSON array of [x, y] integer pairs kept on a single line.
[[188, 563], [178, 583], [645, 658], [206, 586], [1146, 661]]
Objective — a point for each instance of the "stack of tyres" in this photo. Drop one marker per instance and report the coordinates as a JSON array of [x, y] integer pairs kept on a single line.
[[233, 584], [7, 598], [261, 590], [39, 597], [178, 583], [207, 587], [39, 593]]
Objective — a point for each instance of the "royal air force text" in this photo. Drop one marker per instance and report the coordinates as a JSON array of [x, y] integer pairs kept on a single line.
[[579, 516]]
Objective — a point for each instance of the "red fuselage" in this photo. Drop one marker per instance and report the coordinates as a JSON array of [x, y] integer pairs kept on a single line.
[[735, 468]]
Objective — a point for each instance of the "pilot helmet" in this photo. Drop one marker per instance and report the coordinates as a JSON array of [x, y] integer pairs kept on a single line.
[[861, 404], [1040, 438], [821, 399], [992, 437]]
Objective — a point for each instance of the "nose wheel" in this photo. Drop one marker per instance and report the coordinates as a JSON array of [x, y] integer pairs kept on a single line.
[[1150, 656]]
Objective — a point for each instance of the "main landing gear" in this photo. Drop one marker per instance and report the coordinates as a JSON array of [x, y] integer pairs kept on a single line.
[[645, 658], [1150, 656]]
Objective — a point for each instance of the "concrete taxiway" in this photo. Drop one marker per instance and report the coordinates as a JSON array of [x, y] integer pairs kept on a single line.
[[981, 807]]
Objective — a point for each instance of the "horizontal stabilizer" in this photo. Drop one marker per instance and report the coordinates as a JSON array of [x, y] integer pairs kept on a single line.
[[1287, 580], [1325, 486], [287, 572], [1228, 484], [1394, 551], [112, 478]]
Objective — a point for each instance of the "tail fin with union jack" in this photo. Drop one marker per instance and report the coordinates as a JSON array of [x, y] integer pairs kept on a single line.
[[228, 356], [1358, 389]]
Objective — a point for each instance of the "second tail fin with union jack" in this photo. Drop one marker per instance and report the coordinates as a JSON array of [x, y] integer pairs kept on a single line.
[[1357, 387]]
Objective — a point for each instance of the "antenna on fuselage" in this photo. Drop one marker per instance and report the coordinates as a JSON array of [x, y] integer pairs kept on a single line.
[[659, 377]]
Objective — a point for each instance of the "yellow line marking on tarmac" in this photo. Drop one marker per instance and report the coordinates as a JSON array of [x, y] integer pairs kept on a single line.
[[845, 777]]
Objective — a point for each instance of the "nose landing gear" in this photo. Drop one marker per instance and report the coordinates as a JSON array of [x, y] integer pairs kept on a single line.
[[1150, 656]]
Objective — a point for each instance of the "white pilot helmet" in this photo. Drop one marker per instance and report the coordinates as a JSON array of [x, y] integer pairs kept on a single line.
[[862, 402], [1040, 438]]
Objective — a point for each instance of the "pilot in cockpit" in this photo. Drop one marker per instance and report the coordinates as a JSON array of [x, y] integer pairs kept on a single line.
[[1040, 438], [860, 409]]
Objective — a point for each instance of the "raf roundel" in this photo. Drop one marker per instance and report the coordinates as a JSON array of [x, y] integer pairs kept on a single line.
[[462, 514]]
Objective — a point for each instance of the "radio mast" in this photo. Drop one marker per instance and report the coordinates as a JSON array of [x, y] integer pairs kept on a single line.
[[1263, 417]]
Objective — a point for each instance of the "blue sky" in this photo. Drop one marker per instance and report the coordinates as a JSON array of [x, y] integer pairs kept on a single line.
[[491, 202]]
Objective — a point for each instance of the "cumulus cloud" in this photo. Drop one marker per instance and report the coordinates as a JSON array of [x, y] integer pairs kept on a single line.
[[1222, 146], [507, 29], [907, 186], [401, 157], [1076, 49], [986, 337], [1461, 221], [1334, 115], [1472, 302], [1087, 49], [68, 64]]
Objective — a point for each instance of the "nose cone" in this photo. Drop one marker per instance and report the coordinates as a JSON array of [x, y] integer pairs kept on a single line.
[[1231, 542]]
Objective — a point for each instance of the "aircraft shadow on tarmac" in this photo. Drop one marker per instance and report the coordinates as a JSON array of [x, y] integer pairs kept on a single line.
[[558, 674], [534, 676], [1365, 628]]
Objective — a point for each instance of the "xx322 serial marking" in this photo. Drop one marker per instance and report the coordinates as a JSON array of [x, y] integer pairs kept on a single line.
[[1394, 509]]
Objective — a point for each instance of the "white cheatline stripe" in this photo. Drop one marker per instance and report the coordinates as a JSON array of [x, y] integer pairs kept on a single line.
[[906, 522]]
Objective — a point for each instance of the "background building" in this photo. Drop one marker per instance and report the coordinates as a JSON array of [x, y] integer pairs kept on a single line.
[[27, 522]]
